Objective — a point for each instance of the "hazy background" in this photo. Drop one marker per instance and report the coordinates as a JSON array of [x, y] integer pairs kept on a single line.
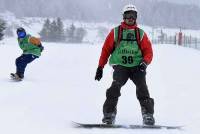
[[197, 2], [168, 13]]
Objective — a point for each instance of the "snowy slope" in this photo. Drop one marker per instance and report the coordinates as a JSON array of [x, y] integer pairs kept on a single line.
[[59, 87]]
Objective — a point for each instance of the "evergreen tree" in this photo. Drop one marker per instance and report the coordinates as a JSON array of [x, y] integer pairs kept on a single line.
[[60, 30], [53, 31], [75, 35], [79, 34], [2, 28], [45, 32], [70, 33]]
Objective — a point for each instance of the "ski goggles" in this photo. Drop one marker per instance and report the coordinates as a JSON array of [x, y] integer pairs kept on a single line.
[[130, 15], [21, 34]]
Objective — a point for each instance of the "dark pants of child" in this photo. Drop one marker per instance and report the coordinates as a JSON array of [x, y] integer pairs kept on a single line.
[[22, 61], [120, 77]]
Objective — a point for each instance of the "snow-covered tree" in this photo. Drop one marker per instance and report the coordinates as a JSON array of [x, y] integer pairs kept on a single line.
[[60, 30], [70, 33], [45, 32], [2, 28], [80, 34], [53, 31], [75, 35]]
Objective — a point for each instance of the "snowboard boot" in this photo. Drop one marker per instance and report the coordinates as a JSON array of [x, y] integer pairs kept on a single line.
[[16, 76], [147, 108], [109, 118], [148, 119]]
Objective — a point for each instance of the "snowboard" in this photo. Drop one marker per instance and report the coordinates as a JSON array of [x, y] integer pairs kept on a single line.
[[134, 126]]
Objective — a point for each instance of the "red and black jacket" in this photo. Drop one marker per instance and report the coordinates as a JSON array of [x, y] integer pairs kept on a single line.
[[109, 45]]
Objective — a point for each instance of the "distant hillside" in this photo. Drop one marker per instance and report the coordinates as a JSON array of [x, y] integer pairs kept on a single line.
[[172, 15], [154, 13]]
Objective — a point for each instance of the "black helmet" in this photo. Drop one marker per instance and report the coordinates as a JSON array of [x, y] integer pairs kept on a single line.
[[21, 33], [20, 29]]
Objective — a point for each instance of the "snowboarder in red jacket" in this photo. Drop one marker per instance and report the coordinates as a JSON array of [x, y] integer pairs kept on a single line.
[[129, 52]]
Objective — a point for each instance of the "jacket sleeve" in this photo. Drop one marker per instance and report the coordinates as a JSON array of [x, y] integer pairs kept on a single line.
[[107, 49], [35, 41], [146, 48]]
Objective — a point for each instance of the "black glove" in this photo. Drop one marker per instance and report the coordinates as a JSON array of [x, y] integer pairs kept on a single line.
[[143, 66], [41, 47], [99, 73]]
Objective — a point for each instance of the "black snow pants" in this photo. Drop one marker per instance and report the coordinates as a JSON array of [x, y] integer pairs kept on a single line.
[[120, 77]]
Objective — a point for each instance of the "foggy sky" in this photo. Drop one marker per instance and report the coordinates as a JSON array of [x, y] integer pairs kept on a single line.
[[150, 12], [193, 2]]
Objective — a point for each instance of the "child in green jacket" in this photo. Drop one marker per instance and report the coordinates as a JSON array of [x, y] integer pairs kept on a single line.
[[31, 48]]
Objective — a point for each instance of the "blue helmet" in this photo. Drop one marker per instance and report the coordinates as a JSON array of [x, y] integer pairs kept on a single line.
[[21, 33]]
